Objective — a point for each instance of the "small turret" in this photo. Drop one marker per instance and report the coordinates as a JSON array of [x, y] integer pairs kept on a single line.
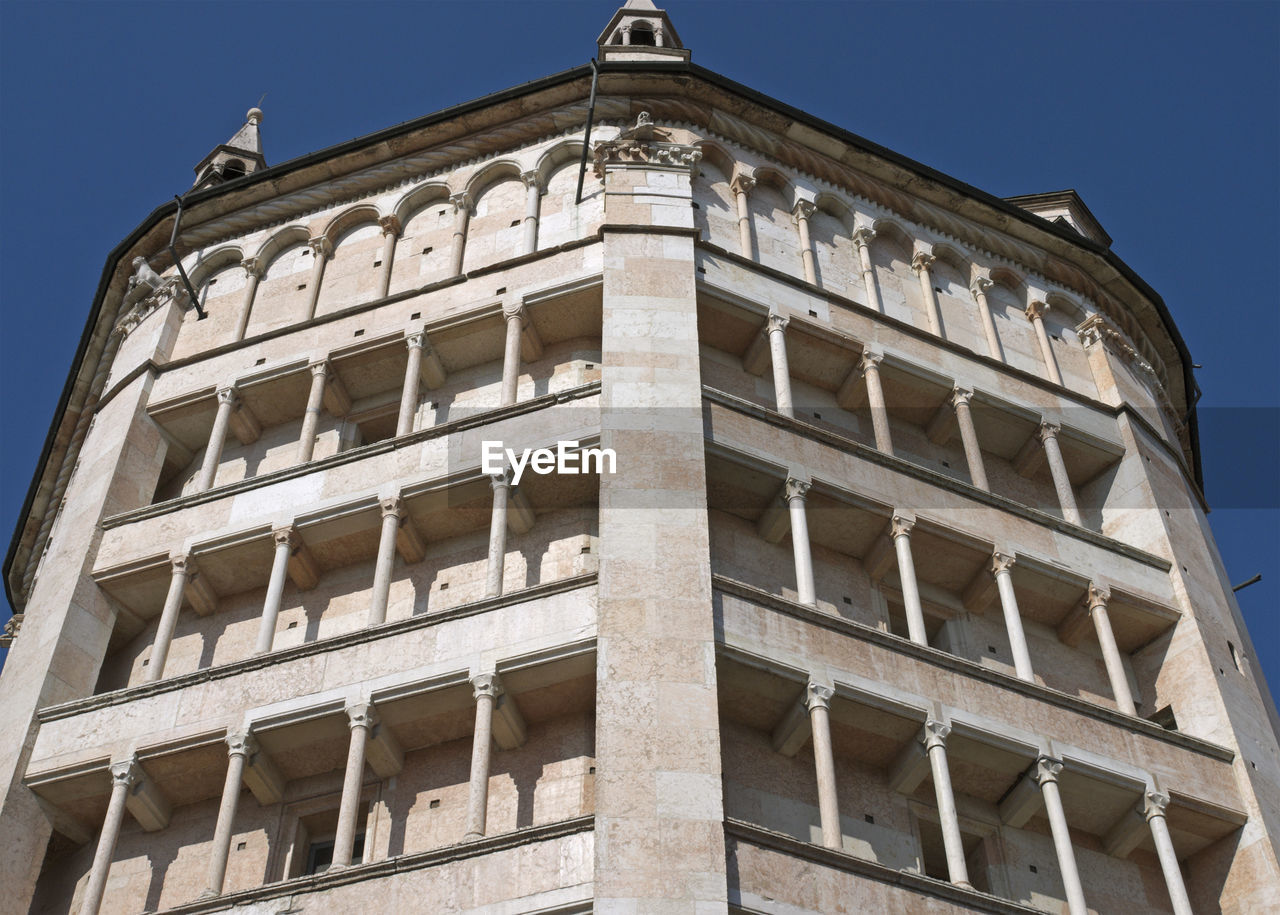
[[239, 156], [641, 31]]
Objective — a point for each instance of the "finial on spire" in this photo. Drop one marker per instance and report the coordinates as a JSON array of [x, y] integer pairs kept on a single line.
[[641, 31], [239, 156]]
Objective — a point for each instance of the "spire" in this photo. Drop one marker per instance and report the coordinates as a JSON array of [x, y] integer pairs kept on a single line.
[[641, 31], [241, 155]]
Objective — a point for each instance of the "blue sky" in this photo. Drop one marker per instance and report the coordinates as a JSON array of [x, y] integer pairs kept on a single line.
[[1162, 115]]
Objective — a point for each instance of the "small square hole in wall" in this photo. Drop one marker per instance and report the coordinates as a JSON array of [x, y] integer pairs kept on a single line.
[[1034, 870], [293, 625], [702, 269], [991, 648], [241, 846], [848, 600], [415, 316], [435, 802], [302, 285], [146, 662], [444, 586], [426, 250], [817, 415], [591, 365], [359, 333], [812, 313], [937, 289], [377, 263], [501, 291], [869, 818], [261, 361], [946, 463], [514, 223], [696, 206], [591, 770], [586, 549]]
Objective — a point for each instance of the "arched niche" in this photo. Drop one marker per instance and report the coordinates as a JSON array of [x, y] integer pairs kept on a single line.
[[352, 274], [426, 236]]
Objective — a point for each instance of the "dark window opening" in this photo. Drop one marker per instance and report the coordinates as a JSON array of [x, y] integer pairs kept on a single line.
[[320, 854], [642, 34], [232, 169]]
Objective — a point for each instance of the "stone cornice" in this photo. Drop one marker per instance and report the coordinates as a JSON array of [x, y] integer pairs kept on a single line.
[[965, 667]]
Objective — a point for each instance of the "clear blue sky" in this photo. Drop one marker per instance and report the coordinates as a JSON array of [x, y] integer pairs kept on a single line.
[[1164, 116]]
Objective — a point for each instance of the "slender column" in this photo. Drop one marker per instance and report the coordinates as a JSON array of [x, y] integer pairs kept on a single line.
[[1035, 314], [1046, 776], [935, 744], [182, 567], [921, 264], [1001, 564], [802, 211], [979, 290], [391, 229], [960, 402], [253, 268], [285, 540], [796, 490], [311, 418], [228, 400], [818, 700], [862, 238], [462, 209], [870, 366], [741, 187], [901, 530], [1098, 600], [123, 776], [532, 203], [1154, 805], [626, 35], [501, 484], [361, 719], [1058, 469], [240, 746], [392, 509], [486, 689], [322, 249], [412, 377], [511, 355], [777, 328]]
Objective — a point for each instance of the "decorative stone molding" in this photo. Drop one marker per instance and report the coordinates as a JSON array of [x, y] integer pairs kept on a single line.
[[463, 201], [864, 235], [362, 715], [1155, 803], [1036, 309], [241, 743], [125, 773], [1002, 562], [961, 395], [486, 685], [1047, 769], [10, 631], [391, 226], [922, 261], [533, 179], [254, 267], [644, 144], [870, 361], [1048, 430], [392, 506], [901, 526], [321, 247], [776, 322], [817, 696], [803, 209], [1098, 596], [935, 733], [742, 184], [138, 309], [796, 489]]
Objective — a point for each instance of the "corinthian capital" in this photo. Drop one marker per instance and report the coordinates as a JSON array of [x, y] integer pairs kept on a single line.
[[486, 685], [391, 506], [241, 743], [362, 715], [1099, 596], [922, 261], [390, 225], [1036, 310], [935, 733], [777, 322], [742, 184], [321, 246], [817, 696], [1002, 562], [462, 202], [980, 285], [901, 526], [1048, 430], [803, 209], [864, 235], [1047, 769], [1154, 803], [532, 179], [125, 773], [796, 489]]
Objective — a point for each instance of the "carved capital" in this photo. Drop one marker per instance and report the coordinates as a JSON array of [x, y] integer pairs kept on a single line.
[[182, 564], [1048, 430], [515, 311], [1002, 562], [254, 266], [1036, 310], [416, 340], [1047, 769], [776, 322], [870, 362], [935, 733], [486, 685], [1154, 803], [391, 226], [1099, 596], [463, 202], [922, 261], [863, 236], [900, 526], [285, 536], [125, 773], [980, 286], [501, 479], [796, 489], [742, 184], [391, 506], [803, 209], [228, 396], [362, 715], [319, 368], [321, 246], [960, 396], [817, 696], [532, 179], [241, 743]]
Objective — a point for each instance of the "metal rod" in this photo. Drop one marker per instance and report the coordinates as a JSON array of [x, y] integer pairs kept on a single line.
[[586, 140], [177, 261], [1244, 584]]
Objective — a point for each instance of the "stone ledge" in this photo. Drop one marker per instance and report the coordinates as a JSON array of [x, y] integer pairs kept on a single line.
[[389, 867], [972, 900], [851, 446], [969, 668], [355, 454], [360, 636]]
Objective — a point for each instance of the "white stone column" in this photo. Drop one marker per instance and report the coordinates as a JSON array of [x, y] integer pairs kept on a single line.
[[1035, 314], [322, 250], [1001, 568], [463, 207], [392, 510], [361, 719], [228, 400], [870, 366], [979, 290], [741, 187], [921, 264], [514, 317], [182, 566], [862, 238], [776, 325], [901, 530], [123, 776], [1154, 806], [240, 746], [253, 269], [391, 229], [501, 485], [315, 402], [801, 213], [960, 402], [532, 204], [935, 744], [796, 491], [1046, 776], [1098, 599], [486, 689], [818, 700], [412, 378], [285, 539], [1048, 433]]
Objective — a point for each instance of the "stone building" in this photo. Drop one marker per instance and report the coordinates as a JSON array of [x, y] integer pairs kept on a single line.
[[900, 596]]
